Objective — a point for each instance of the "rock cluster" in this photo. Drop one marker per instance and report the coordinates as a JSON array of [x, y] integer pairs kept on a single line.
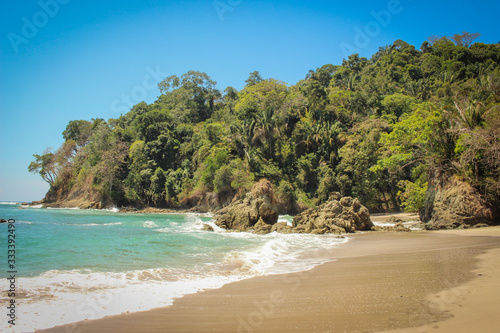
[[338, 215], [258, 212], [398, 227]]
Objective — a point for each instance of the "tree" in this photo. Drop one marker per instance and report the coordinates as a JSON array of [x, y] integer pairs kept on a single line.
[[79, 131], [44, 165], [266, 130], [379, 129], [465, 39], [253, 79], [268, 93], [192, 96], [418, 137]]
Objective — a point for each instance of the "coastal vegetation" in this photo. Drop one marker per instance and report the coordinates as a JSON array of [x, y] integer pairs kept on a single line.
[[385, 130]]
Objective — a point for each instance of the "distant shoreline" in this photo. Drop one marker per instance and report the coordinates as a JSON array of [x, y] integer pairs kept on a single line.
[[376, 217]]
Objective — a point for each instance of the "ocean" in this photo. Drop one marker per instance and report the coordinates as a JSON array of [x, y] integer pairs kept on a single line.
[[71, 264]]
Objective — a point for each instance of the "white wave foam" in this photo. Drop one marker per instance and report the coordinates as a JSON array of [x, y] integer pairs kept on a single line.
[[284, 253], [77, 296], [33, 206], [191, 223], [61, 208], [112, 209], [149, 224], [98, 224], [8, 203], [286, 218]]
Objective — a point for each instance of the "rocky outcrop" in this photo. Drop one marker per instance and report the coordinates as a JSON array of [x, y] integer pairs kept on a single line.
[[338, 215], [453, 203], [82, 196], [207, 203], [398, 227], [257, 211], [282, 228], [207, 227]]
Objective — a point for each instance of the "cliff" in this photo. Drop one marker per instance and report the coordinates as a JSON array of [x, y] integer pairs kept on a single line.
[[452, 203]]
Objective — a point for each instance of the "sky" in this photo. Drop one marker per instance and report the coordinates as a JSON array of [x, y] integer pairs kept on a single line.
[[63, 60]]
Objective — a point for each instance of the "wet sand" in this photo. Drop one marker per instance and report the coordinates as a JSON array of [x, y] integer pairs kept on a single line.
[[405, 282]]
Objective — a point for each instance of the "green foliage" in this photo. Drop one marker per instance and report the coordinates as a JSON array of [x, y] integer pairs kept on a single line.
[[44, 166], [217, 158], [285, 193], [327, 184], [79, 131], [306, 176], [412, 195], [379, 129], [414, 139]]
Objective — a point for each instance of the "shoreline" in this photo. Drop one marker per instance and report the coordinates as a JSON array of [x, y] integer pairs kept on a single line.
[[379, 281]]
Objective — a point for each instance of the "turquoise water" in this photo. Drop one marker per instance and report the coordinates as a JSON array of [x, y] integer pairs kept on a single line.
[[93, 263], [104, 241]]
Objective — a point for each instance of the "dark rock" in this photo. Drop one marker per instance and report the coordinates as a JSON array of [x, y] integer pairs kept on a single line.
[[262, 227], [399, 227], [452, 203], [337, 215], [209, 202], [282, 228], [207, 227], [394, 219], [258, 205]]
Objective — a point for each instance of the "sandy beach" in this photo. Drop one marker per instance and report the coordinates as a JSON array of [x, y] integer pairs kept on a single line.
[[444, 281]]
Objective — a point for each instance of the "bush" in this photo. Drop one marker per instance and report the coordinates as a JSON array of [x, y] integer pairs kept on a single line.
[[412, 195]]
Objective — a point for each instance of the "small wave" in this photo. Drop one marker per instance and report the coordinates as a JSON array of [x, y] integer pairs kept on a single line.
[[25, 222], [149, 224], [112, 209], [8, 203], [32, 206], [283, 253], [98, 224], [105, 294], [192, 223], [61, 208]]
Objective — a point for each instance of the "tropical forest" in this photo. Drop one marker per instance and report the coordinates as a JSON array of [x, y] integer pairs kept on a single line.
[[388, 130]]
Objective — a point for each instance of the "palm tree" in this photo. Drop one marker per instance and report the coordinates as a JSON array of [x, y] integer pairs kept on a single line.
[[266, 129], [470, 114], [331, 141], [244, 136]]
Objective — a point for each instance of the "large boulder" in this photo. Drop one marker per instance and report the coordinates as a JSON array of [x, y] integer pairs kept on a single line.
[[258, 206], [452, 203], [338, 215]]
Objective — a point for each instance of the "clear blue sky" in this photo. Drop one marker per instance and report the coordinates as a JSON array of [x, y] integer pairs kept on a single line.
[[81, 59]]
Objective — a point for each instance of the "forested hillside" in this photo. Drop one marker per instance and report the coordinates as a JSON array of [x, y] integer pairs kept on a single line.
[[380, 129]]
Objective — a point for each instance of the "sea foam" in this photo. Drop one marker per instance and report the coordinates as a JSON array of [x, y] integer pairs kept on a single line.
[[205, 260]]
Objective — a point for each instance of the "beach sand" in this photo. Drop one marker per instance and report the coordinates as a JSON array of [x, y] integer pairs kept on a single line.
[[442, 281]]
